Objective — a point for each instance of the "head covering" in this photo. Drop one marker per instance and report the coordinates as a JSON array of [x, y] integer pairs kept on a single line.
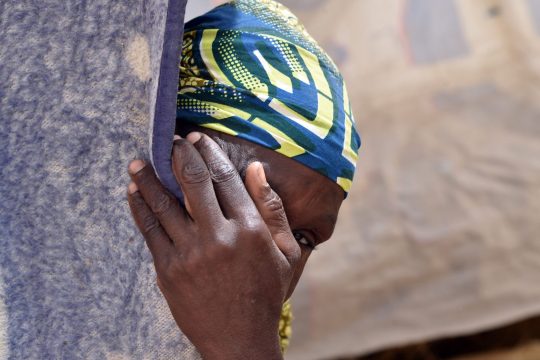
[[249, 69]]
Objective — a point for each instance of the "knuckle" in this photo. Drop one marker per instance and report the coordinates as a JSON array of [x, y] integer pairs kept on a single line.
[[253, 228], [220, 237], [224, 239], [162, 203], [221, 172], [252, 232], [150, 224], [136, 202], [194, 174], [266, 192], [273, 202], [191, 168], [223, 244]]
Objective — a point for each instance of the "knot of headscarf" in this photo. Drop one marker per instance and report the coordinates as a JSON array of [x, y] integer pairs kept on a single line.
[[249, 69]]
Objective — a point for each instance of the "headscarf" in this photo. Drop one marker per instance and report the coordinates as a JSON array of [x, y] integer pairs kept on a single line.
[[250, 69]]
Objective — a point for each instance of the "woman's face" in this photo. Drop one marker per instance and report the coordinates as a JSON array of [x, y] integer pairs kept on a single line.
[[311, 200]]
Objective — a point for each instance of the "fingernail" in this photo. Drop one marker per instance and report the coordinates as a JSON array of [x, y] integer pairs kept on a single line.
[[132, 188], [260, 172], [193, 137], [135, 166], [177, 137]]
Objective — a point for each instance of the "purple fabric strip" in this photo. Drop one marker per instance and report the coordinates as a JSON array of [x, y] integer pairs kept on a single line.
[[165, 112]]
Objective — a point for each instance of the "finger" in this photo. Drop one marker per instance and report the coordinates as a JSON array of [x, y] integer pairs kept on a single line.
[[193, 176], [156, 239], [230, 190], [162, 203], [271, 208]]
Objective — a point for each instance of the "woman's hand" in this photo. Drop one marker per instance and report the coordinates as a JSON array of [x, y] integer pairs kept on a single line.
[[224, 265]]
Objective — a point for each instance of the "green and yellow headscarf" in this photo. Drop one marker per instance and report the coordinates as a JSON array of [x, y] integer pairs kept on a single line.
[[249, 69]]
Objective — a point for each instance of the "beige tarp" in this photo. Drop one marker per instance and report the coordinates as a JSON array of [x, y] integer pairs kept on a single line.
[[440, 235]]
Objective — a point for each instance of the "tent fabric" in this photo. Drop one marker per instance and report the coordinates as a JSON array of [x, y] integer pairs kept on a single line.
[[439, 235], [79, 82]]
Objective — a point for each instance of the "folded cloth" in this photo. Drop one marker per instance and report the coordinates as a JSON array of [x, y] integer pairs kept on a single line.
[[79, 82]]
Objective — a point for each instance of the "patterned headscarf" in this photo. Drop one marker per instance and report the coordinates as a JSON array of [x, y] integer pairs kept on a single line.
[[250, 69]]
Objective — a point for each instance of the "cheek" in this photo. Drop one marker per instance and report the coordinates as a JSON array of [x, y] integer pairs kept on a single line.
[[305, 256], [303, 260], [299, 270]]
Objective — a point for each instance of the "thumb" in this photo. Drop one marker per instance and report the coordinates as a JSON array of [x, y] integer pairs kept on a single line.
[[271, 209]]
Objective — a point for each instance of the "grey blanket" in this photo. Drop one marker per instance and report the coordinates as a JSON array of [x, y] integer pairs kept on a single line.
[[80, 83]]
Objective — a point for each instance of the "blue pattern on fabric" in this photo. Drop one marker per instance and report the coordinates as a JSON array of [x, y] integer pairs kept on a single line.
[[249, 69]]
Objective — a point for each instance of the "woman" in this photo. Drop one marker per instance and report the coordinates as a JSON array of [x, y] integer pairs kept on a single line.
[[265, 156]]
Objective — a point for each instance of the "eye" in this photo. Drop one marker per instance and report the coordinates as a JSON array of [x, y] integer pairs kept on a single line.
[[303, 240]]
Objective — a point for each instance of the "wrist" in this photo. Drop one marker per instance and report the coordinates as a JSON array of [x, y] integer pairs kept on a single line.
[[263, 348]]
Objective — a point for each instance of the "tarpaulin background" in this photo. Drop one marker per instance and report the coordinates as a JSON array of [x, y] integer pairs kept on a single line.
[[440, 234]]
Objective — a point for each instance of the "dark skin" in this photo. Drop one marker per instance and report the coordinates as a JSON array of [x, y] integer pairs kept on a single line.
[[227, 262]]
